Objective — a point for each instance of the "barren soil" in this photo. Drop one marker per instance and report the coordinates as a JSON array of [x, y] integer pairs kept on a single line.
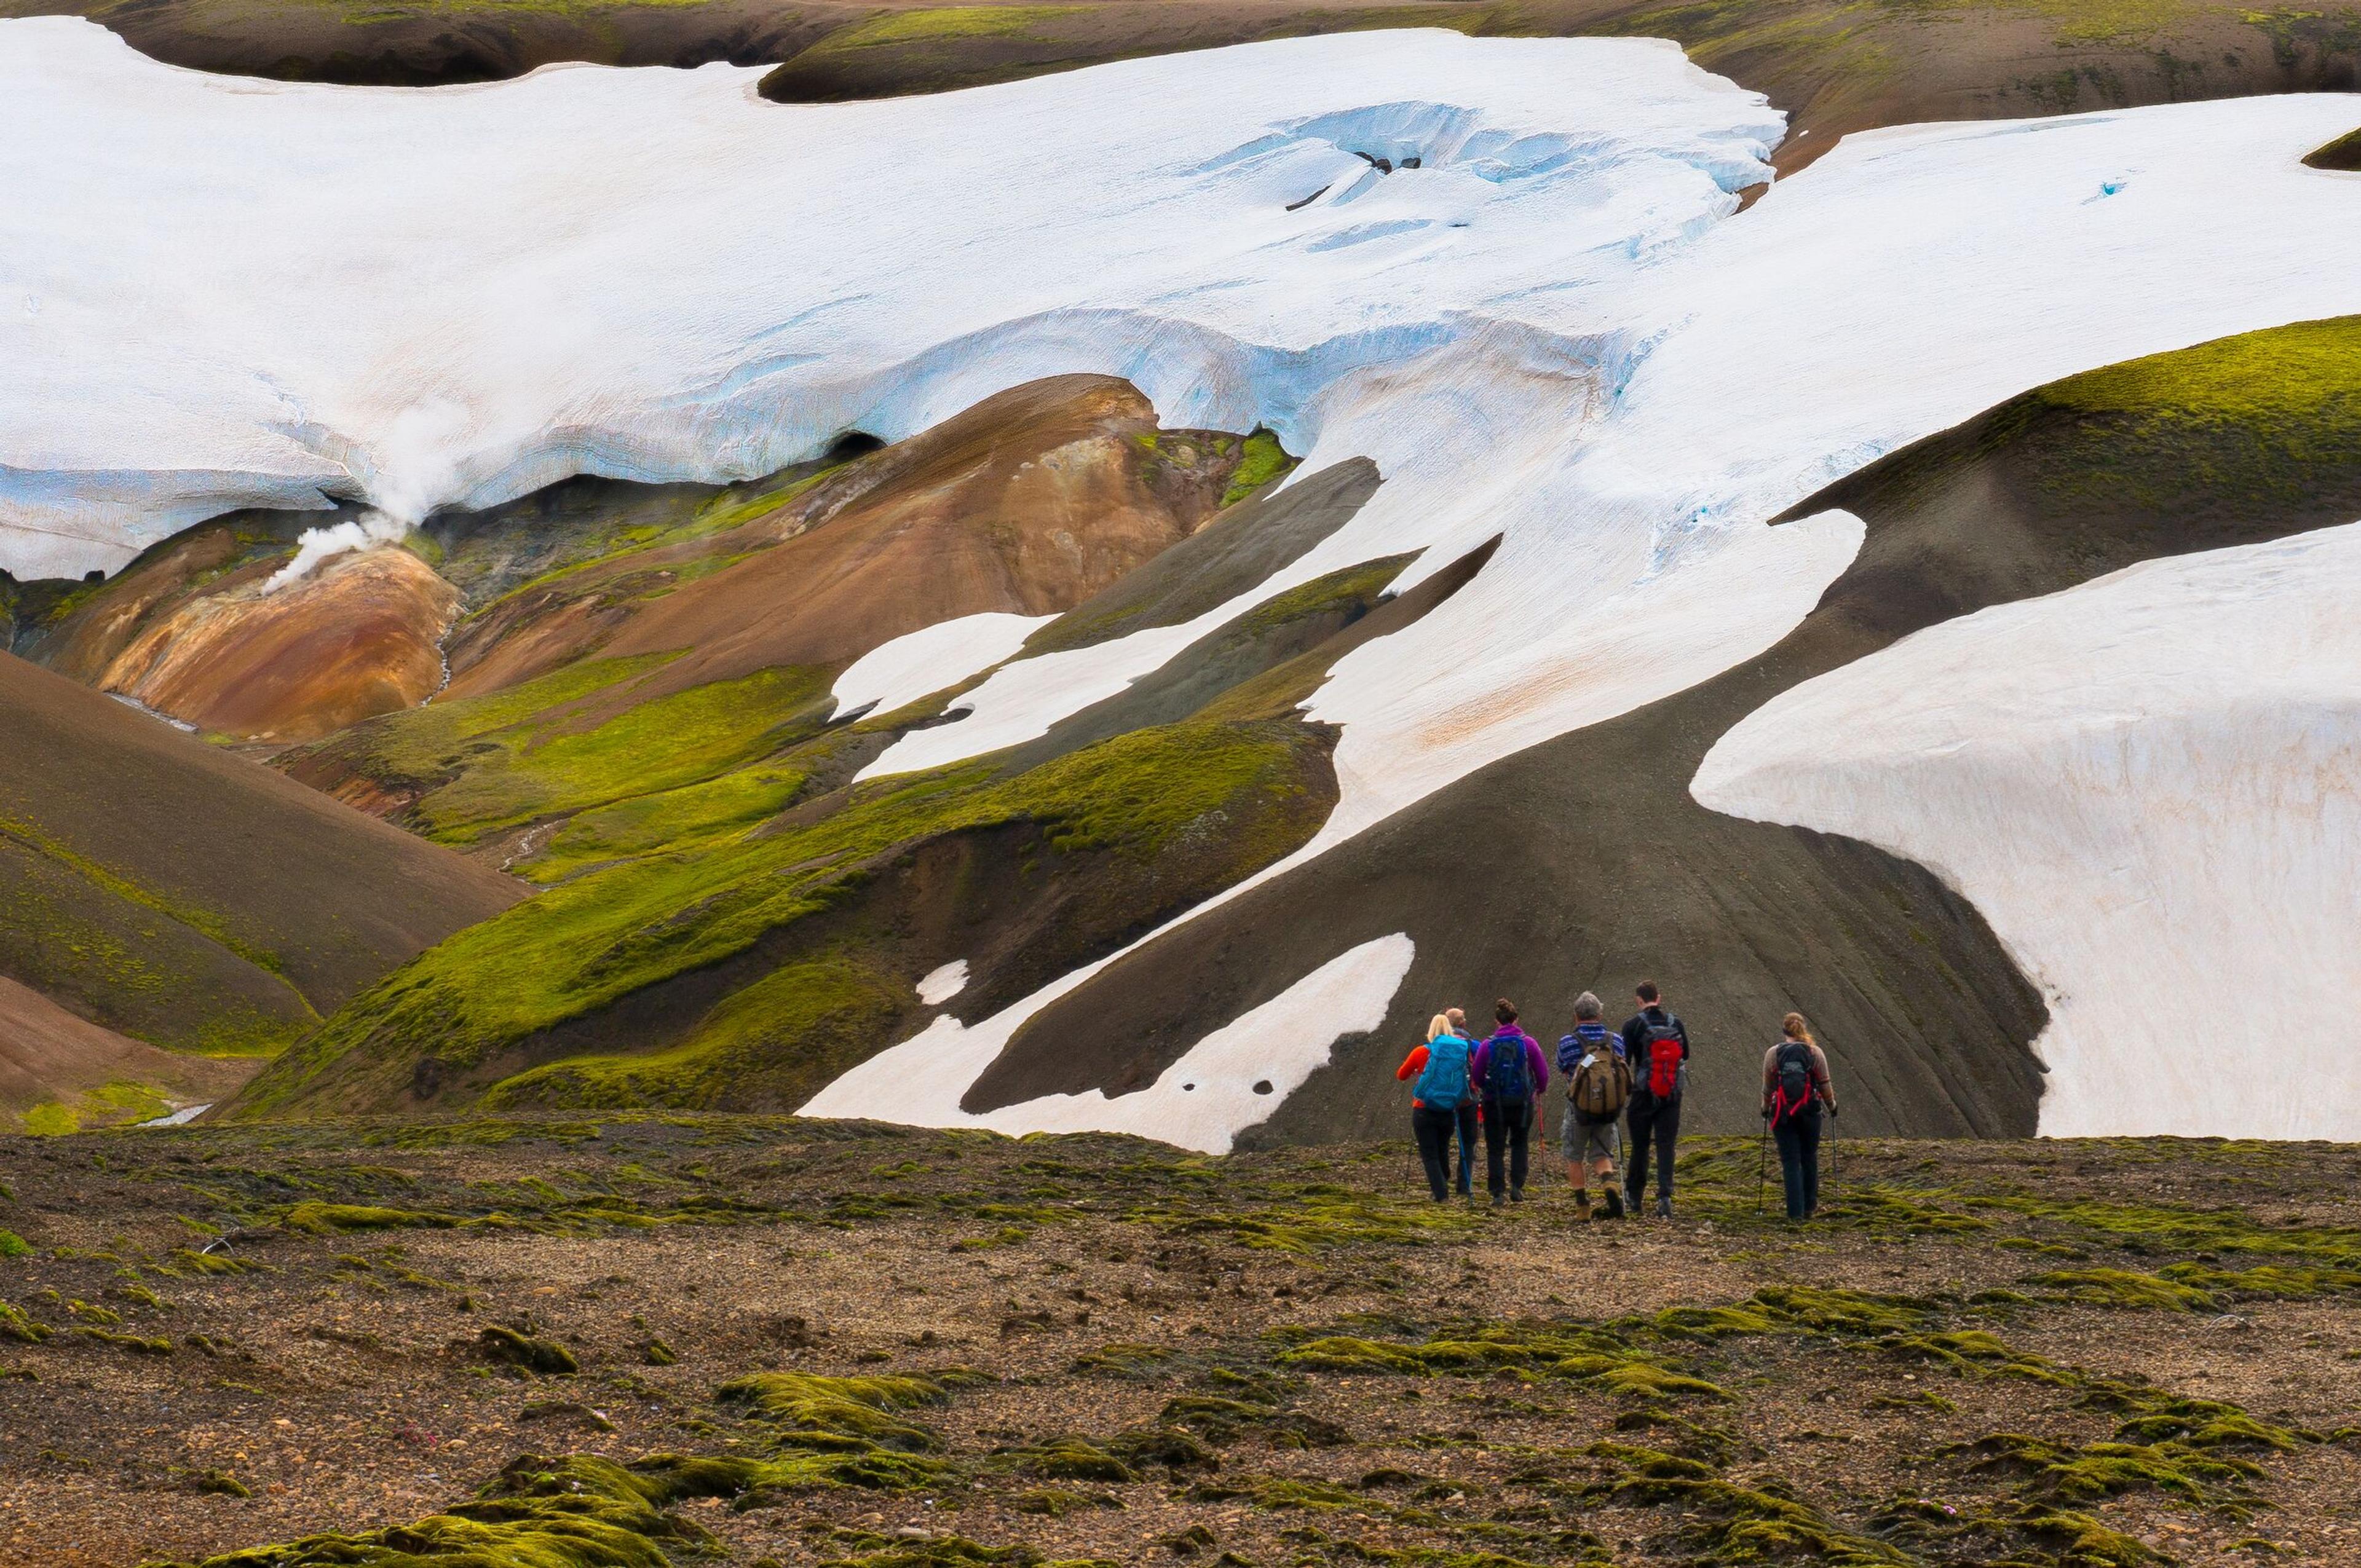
[[2030, 1353]]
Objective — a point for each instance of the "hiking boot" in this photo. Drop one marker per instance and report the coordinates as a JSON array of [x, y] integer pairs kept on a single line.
[[1582, 1202], [1615, 1202], [1498, 1200], [1516, 1194], [1664, 1208]]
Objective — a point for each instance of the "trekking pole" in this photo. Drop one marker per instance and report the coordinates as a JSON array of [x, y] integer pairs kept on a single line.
[[1762, 1164]]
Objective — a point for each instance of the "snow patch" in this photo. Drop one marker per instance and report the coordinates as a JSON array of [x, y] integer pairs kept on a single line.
[[939, 985], [1231, 1079], [934, 657], [2150, 785]]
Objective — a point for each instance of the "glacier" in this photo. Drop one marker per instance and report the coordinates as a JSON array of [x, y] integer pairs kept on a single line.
[[260, 292], [1555, 328], [2150, 785]]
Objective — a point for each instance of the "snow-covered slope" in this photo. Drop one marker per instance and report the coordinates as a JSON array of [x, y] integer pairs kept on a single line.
[[2151, 786], [248, 290]]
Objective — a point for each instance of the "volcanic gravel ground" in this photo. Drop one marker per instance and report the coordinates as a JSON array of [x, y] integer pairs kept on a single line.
[[1405, 1382]]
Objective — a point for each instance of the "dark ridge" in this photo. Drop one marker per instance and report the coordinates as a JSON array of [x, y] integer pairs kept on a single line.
[[1270, 634], [2342, 156], [1582, 863], [1253, 539]]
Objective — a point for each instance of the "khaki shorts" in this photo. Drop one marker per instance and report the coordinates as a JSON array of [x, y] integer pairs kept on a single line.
[[1588, 1141]]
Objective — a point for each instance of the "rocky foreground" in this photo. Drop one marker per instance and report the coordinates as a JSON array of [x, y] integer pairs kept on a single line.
[[746, 1341]]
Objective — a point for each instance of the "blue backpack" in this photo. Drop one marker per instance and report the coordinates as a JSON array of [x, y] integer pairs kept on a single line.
[[1443, 1084], [1506, 1079]]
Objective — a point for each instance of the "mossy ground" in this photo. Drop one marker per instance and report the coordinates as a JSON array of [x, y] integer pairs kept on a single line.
[[749, 1340]]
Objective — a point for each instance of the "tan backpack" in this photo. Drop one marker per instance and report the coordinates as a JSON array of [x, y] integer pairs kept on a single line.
[[1601, 1088]]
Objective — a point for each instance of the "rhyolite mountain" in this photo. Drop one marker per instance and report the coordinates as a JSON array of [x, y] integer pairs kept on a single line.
[[1066, 763]]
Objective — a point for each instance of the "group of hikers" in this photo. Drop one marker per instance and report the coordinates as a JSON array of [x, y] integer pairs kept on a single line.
[[1635, 1077]]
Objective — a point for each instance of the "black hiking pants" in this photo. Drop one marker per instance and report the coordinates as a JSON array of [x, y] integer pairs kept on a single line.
[[1434, 1130], [1799, 1161], [1658, 1122], [1507, 1128]]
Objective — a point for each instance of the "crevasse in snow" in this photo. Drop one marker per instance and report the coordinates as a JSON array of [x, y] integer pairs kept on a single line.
[[2150, 785]]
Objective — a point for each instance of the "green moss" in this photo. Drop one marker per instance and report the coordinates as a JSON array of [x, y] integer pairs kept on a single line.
[[943, 23], [587, 943], [1262, 462], [13, 1246], [15, 1325], [781, 1039], [2342, 155], [669, 819], [322, 1219], [512, 1348], [2066, 1473], [538, 767], [2261, 416], [52, 1119], [2122, 1287], [579, 1512]]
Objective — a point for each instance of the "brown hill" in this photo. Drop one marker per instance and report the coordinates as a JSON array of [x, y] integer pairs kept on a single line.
[[192, 630], [67, 1072], [190, 899]]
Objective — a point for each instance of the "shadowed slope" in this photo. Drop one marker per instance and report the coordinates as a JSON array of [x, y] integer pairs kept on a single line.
[[191, 899], [1584, 863]]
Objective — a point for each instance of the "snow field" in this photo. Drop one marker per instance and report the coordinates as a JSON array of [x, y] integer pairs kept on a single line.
[[2150, 785]]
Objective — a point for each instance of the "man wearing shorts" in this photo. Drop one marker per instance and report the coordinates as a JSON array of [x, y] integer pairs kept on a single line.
[[1598, 1085]]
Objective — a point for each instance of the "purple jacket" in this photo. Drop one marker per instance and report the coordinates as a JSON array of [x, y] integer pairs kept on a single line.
[[1536, 1067]]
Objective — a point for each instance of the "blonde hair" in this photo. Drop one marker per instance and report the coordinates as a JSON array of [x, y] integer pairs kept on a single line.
[[1437, 1026], [1794, 1027]]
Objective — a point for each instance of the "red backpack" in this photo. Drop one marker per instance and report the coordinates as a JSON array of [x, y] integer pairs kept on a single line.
[[1663, 1043]]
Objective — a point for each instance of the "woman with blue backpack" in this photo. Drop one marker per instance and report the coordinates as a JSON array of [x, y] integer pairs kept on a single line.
[[1509, 1073], [1795, 1091], [1442, 1104]]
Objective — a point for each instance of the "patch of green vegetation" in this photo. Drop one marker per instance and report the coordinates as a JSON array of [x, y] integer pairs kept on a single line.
[[840, 1432], [513, 1348], [943, 24], [2122, 1287], [15, 1325], [52, 1119], [2251, 419], [1345, 590], [1318, 1217], [538, 766], [781, 1039], [2342, 155], [1262, 463], [322, 1219], [587, 943], [576, 1512], [2064, 1472], [124, 1101], [1734, 1523], [13, 1246], [670, 819]]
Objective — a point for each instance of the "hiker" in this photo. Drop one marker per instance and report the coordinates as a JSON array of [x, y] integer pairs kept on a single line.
[[1657, 1046], [1509, 1073], [1598, 1087], [1795, 1089], [1443, 1102]]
